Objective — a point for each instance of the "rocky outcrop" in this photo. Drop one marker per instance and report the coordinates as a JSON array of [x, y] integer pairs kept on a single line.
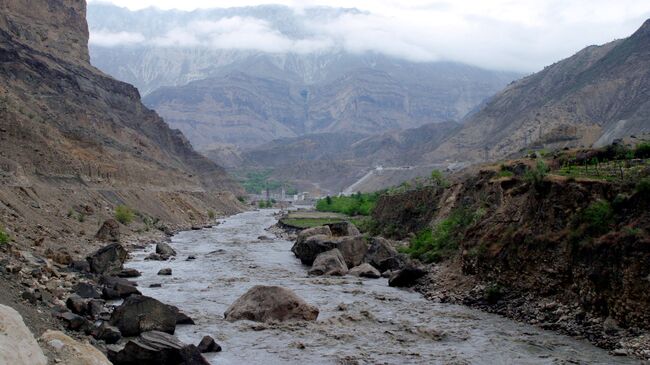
[[108, 259], [141, 314], [72, 352], [329, 263], [270, 303], [17, 344], [156, 348]]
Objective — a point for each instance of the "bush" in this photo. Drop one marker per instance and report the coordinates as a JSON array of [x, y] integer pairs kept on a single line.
[[124, 214], [433, 245], [211, 214], [4, 237], [643, 188], [642, 150], [358, 204], [536, 175], [598, 216], [438, 178]]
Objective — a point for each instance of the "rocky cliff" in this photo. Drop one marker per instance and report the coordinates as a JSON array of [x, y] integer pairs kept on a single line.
[[75, 143], [597, 95]]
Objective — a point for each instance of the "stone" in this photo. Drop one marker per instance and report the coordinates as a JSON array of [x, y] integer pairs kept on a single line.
[[306, 233], [190, 258], [73, 321], [155, 285], [365, 270], [406, 277], [155, 257], [165, 249], [270, 303], [116, 288], [307, 250], [87, 290], [182, 318], [342, 229], [108, 259], [32, 296], [208, 344], [166, 271], [107, 333], [157, 348], [17, 344], [353, 249], [80, 265], [382, 255], [60, 256], [329, 263], [129, 273], [77, 304], [95, 307], [109, 231], [140, 314], [71, 352]]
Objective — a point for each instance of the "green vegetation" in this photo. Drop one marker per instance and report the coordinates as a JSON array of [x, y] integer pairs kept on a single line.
[[434, 245], [365, 224], [536, 175], [242, 199], [211, 214], [642, 150], [493, 293], [643, 188], [265, 204], [598, 216], [505, 173], [4, 237], [438, 178], [358, 204], [124, 214], [303, 223], [258, 182]]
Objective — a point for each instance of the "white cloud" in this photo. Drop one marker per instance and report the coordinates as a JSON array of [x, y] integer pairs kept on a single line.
[[111, 39], [522, 35]]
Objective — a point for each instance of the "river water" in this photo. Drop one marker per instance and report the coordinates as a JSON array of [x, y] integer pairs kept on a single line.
[[361, 320]]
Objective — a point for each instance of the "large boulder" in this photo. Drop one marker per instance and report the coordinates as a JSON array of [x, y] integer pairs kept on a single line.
[[306, 233], [17, 344], [353, 249], [165, 250], [157, 348], [407, 276], [270, 303], [140, 314], [382, 255], [329, 263], [342, 229], [71, 352], [307, 250], [365, 271], [108, 259], [109, 231]]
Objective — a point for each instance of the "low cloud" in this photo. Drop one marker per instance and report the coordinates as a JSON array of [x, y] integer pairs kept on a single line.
[[106, 38], [501, 34]]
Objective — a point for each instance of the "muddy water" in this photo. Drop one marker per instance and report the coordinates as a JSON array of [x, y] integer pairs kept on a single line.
[[360, 320]]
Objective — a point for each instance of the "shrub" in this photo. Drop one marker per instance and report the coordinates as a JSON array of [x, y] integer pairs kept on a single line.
[[536, 175], [358, 204], [493, 293], [642, 150], [433, 245], [598, 216], [4, 237], [242, 199], [124, 214], [438, 178], [643, 188], [211, 214]]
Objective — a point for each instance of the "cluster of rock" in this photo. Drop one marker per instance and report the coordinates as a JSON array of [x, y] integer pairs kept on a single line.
[[339, 249]]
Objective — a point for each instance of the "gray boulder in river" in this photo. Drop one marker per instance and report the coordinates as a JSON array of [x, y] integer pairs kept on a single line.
[[329, 263], [365, 271], [353, 249], [382, 255], [139, 314], [271, 303], [307, 250]]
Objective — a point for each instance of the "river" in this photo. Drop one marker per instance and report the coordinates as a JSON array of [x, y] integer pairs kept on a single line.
[[361, 320]]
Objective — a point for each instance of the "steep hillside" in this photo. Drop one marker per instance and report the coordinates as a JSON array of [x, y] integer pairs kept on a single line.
[[76, 143], [599, 94]]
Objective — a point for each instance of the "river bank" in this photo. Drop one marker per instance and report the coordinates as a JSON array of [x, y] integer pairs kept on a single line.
[[361, 321]]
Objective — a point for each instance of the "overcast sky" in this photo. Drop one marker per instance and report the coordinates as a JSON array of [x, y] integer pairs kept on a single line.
[[521, 35]]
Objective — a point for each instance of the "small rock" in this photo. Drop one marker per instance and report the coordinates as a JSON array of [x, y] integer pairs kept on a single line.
[[73, 321], [31, 296], [87, 290], [107, 333], [156, 348], [155, 285], [155, 257], [95, 307], [166, 271], [208, 344], [329, 263], [165, 250], [77, 304], [190, 258], [109, 231], [406, 277]]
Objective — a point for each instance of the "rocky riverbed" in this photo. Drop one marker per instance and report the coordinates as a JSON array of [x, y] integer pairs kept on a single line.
[[360, 321]]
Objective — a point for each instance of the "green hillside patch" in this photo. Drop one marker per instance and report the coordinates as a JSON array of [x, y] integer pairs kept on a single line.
[[357, 204]]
